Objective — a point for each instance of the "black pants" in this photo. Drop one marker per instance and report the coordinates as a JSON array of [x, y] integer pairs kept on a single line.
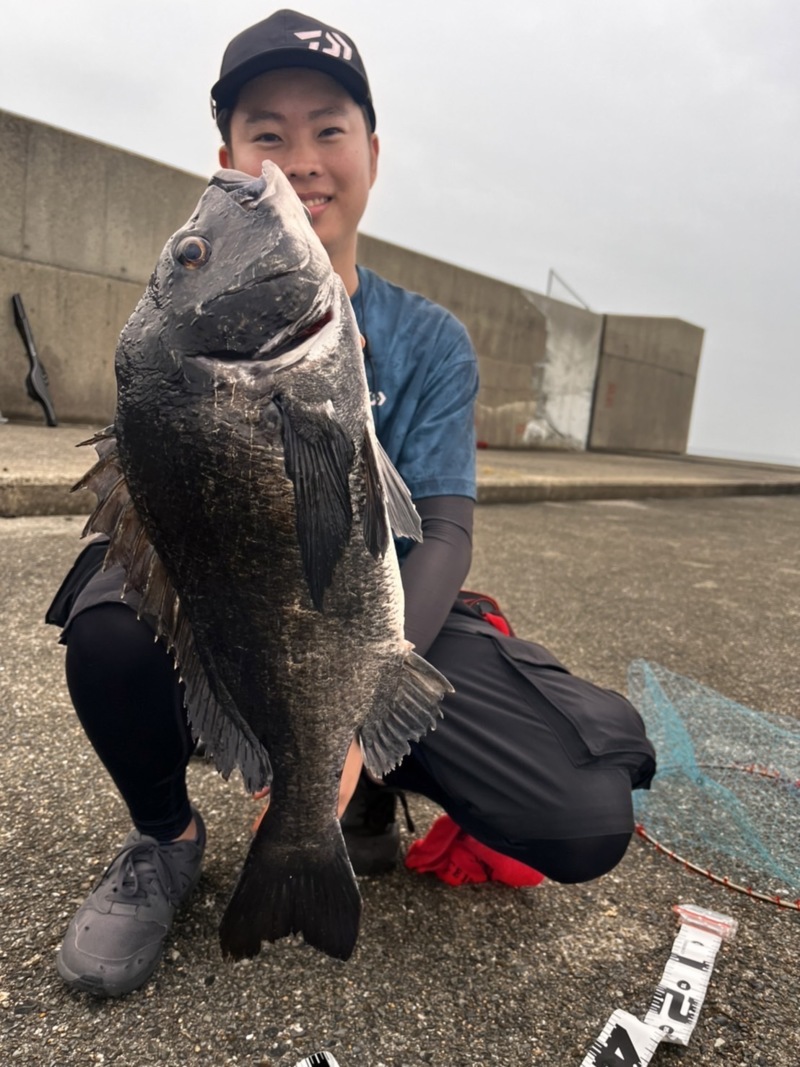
[[530, 760]]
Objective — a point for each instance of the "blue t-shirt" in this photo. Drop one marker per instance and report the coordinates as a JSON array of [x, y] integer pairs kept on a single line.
[[423, 378]]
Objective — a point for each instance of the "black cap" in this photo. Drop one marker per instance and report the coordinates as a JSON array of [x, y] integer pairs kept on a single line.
[[289, 39]]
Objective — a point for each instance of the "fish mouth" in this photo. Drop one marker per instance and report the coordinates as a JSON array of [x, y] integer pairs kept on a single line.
[[278, 346], [282, 344], [248, 191]]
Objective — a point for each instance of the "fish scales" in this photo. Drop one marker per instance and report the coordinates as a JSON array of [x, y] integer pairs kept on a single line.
[[254, 516]]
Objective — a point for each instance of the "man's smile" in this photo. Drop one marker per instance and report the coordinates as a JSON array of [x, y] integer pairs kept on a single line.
[[314, 200]]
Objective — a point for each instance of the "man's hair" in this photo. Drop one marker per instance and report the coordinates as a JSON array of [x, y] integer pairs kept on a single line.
[[224, 125]]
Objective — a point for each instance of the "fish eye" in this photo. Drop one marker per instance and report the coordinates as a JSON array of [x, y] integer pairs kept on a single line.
[[193, 252]]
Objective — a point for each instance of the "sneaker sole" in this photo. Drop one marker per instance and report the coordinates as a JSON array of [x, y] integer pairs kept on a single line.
[[86, 983]]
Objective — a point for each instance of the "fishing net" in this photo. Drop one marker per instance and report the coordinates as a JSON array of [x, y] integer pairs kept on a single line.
[[726, 798]]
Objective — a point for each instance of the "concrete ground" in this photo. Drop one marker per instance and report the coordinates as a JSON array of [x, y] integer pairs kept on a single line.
[[708, 587], [38, 466]]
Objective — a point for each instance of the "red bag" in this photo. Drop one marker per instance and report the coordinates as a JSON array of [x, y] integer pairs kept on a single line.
[[488, 608]]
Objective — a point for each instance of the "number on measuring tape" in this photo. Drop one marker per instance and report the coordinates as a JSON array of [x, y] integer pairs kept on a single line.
[[625, 1042], [676, 1002], [674, 1005], [616, 1051]]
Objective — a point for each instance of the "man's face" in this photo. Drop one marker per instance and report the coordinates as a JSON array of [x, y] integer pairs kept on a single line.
[[308, 125]]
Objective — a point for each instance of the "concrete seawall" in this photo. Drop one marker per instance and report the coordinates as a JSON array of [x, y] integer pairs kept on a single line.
[[81, 227]]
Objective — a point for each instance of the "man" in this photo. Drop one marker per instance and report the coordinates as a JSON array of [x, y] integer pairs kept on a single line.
[[529, 760]]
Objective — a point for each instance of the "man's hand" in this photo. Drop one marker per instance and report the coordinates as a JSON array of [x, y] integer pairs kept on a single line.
[[350, 775]]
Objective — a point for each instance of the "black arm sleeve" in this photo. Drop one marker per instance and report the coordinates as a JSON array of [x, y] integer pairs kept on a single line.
[[436, 567]]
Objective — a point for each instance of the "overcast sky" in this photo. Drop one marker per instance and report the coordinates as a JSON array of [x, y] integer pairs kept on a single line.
[[647, 150]]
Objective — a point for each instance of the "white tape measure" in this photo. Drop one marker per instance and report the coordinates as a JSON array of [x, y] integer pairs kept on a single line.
[[630, 1042]]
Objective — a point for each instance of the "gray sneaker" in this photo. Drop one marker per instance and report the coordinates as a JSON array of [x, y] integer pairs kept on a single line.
[[116, 938]]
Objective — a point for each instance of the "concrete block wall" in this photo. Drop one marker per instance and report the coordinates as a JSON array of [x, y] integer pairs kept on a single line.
[[537, 356], [645, 384], [81, 227], [554, 375], [508, 331], [565, 380]]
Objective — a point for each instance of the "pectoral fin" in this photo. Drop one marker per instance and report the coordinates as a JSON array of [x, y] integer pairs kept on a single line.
[[319, 456], [385, 735]]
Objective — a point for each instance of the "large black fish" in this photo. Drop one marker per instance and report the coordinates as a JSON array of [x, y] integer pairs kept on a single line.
[[250, 502]]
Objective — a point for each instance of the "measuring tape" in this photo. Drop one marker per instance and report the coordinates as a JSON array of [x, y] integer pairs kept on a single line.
[[630, 1042]]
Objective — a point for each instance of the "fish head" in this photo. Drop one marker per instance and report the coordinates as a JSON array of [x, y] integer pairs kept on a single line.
[[246, 273]]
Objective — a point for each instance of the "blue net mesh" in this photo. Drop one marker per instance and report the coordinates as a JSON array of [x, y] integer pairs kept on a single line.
[[727, 793]]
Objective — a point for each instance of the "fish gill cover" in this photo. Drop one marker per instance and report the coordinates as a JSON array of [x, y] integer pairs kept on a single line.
[[726, 796]]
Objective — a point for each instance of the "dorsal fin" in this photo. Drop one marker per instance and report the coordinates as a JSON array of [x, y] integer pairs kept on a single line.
[[211, 712], [386, 495]]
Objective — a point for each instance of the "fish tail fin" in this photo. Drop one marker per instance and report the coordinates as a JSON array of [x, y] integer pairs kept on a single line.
[[282, 890]]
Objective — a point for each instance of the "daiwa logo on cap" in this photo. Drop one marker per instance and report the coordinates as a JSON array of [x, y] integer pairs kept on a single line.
[[338, 45]]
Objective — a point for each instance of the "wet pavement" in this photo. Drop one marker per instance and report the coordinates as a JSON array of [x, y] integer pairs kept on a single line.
[[474, 975], [709, 587]]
